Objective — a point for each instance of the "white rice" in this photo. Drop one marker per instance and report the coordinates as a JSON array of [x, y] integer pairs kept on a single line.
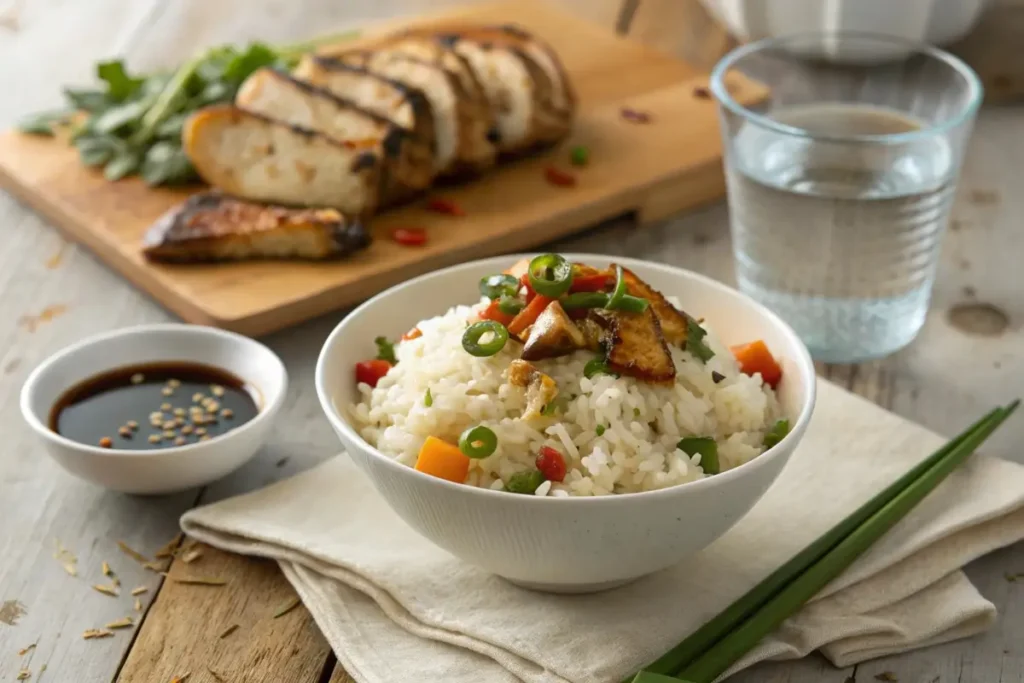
[[643, 422]]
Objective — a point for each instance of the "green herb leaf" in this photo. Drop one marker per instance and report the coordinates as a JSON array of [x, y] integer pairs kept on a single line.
[[171, 128], [216, 92], [122, 165], [42, 123], [708, 449], [97, 150], [119, 117], [91, 101], [695, 341], [120, 86], [166, 164], [776, 434], [385, 350], [256, 56], [428, 400]]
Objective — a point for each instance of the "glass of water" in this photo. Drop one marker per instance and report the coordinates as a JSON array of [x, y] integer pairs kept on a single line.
[[840, 182]]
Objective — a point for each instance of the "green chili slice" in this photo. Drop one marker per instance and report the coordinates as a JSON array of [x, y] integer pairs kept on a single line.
[[478, 442], [524, 482], [584, 300], [597, 366], [496, 286], [510, 305], [708, 449], [776, 434], [621, 300], [550, 275], [428, 399], [471, 338]]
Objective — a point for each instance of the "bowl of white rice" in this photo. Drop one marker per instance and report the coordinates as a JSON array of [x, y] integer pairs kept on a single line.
[[629, 496]]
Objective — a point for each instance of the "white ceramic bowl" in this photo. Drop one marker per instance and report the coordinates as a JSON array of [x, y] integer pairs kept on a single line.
[[564, 544], [168, 469]]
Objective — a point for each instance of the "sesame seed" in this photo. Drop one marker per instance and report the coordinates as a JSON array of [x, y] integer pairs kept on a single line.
[[165, 407], [200, 431], [180, 441], [217, 389], [125, 431], [179, 422], [180, 412], [138, 378], [167, 391], [168, 434], [197, 397], [156, 415], [169, 424], [212, 406], [204, 437], [106, 442], [226, 413], [174, 383], [154, 438], [187, 429], [132, 424]]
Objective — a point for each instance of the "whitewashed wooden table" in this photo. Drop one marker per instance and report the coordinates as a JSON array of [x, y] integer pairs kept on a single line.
[[969, 357]]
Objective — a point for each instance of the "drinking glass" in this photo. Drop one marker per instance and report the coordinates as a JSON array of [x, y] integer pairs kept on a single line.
[[840, 182]]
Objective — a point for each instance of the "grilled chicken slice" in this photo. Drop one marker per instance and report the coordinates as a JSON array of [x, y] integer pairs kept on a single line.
[[213, 227], [524, 82], [404, 106], [463, 117], [540, 389], [251, 156], [674, 323], [408, 163], [553, 334], [636, 345]]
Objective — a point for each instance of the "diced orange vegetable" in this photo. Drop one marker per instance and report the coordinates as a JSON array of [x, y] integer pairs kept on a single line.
[[591, 283], [443, 460], [528, 315], [755, 357], [493, 312], [519, 268], [414, 333]]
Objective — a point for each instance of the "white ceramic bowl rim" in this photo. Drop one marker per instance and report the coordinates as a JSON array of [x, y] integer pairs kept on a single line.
[[29, 387], [725, 98], [804, 362]]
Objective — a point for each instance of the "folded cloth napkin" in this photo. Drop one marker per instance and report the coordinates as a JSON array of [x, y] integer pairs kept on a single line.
[[396, 609]]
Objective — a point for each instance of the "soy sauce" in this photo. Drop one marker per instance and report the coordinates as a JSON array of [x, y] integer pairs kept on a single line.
[[153, 406]]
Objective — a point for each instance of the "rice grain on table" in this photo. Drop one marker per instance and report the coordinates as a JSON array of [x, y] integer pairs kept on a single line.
[[617, 434]]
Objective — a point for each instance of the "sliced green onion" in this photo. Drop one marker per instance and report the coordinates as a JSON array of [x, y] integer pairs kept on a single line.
[[510, 305], [629, 303], [549, 410], [471, 338], [478, 442], [695, 341], [597, 366], [550, 275], [579, 155], [599, 430], [428, 400], [584, 300], [708, 449], [776, 434], [385, 350], [524, 482], [495, 286]]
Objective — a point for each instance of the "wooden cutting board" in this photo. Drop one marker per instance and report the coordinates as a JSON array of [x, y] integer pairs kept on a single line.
[[654, 169]]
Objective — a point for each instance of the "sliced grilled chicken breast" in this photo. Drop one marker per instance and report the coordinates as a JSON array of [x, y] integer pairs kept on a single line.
[[251, 156], [214, 227], [408, 164], [463, 117], [533, 102]]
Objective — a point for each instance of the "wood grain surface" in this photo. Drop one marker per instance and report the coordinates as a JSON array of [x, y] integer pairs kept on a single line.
[[661, 168], [969, 356]]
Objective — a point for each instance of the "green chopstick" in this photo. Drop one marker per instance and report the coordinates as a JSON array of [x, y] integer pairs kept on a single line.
[[692, 655]]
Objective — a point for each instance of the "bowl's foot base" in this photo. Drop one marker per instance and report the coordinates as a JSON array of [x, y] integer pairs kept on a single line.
[[570, 588]]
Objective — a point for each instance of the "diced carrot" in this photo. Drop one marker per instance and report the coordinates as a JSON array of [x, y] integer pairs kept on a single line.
[[519, 268], [528, 315], [755, 357], [443, 460], [414, 333], [492, 312]]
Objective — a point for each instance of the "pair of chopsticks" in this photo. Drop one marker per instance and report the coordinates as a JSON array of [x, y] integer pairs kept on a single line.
[[717, 645]]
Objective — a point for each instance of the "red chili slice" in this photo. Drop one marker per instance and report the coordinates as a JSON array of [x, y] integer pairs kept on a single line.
[[445, 206], [635, 116], [410, 237], [371, 371], [551, 464], [557, 176], [591, 283]]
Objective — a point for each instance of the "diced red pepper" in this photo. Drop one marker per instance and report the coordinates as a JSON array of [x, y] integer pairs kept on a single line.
[[493, 312], [445, 206], [414, 333], [528, 315], [591, 283], [557, 176], [371, 371], [524, 281], [410, 237], [551, 464]]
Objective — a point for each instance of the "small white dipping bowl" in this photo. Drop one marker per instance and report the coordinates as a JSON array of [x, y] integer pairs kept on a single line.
[[167, 469], [564, 544]]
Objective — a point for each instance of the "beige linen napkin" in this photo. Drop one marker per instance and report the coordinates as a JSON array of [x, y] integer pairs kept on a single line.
[[396, 609]]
